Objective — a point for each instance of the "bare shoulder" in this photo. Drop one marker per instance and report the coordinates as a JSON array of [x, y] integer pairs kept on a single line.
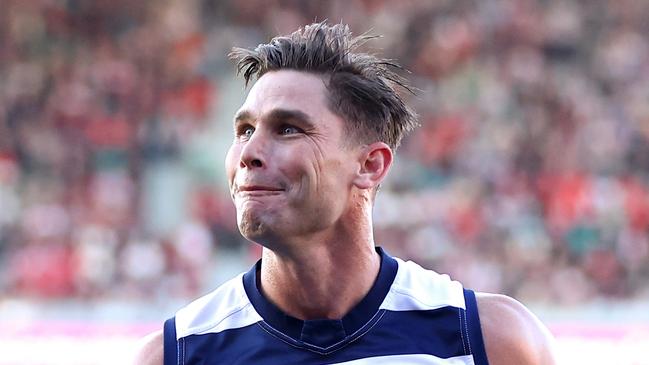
[[150, 350], [512, 333]]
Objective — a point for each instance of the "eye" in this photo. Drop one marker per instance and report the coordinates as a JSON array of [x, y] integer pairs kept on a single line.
[[245, 132], [289, 129]]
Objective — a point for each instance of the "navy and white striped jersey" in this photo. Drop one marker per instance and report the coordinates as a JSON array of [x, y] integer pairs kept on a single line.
[[410, 316]]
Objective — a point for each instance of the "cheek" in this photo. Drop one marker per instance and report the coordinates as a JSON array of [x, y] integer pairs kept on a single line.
[[324, 178], [337, 176]]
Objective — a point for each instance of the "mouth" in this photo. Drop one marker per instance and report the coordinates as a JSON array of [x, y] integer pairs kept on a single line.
[[257, 190]]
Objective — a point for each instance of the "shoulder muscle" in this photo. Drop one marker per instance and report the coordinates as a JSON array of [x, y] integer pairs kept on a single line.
[[512, 334], [150, 350]]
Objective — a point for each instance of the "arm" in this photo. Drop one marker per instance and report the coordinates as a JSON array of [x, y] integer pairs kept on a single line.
[[150, 350], [512, 334]]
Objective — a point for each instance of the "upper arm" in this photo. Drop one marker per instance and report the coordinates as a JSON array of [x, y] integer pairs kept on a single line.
[[512, 334], [150, 350]]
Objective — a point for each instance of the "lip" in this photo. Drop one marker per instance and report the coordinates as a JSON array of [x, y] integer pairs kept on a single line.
[[257, 190], [260, 188]]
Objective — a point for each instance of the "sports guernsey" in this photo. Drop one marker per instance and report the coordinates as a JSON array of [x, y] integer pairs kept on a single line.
[[410, 316]]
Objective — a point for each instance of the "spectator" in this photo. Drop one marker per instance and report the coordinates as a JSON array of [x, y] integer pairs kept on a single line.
[[532, 154]]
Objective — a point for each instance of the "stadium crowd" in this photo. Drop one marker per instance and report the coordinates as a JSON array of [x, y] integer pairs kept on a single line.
[[529, 174]]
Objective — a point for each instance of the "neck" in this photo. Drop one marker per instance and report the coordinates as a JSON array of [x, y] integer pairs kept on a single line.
[[322, 280]]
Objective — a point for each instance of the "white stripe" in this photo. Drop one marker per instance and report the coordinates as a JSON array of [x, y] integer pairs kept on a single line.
[[241, 318], [416, 359], [227, 307], [416, 288]]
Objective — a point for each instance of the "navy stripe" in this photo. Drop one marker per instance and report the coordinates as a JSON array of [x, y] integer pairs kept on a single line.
[[433, 332], [170, 349], [475, 331]]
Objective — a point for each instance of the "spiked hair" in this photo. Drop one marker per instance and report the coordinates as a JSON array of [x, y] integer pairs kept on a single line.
[[361, 86]]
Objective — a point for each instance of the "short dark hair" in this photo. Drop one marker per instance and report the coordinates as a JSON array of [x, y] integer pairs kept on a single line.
[[362, 87]]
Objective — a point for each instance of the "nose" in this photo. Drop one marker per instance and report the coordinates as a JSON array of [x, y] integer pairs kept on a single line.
[[253, 152]]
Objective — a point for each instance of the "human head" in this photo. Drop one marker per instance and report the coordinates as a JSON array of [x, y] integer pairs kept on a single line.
[[362, 87], [323, 176]]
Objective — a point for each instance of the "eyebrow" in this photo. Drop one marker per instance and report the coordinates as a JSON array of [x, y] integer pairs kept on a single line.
[[242, 116], [276, 115]]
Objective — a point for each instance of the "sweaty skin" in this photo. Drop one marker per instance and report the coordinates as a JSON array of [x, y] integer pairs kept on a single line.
[[305, 193]]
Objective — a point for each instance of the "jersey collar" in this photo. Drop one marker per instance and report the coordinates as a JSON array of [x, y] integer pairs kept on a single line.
[[323, 332]]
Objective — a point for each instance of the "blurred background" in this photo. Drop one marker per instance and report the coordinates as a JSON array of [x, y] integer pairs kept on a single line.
[[529, 175]]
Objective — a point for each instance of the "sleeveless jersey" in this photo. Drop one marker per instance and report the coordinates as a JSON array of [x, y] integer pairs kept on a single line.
[[410, 316]]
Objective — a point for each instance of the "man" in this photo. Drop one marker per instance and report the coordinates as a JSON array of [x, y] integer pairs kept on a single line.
[[312, 143]]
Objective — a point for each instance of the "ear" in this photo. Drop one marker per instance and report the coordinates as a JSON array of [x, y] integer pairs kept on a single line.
[[375, 161]]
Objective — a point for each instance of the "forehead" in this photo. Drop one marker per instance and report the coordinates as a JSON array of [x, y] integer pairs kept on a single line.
[[288, 90]]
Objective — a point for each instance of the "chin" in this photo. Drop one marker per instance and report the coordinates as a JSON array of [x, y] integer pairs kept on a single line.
[[252, 230], [253, 227], [262, 232]]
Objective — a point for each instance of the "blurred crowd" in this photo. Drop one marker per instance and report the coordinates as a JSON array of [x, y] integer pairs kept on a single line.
[[528, 176]]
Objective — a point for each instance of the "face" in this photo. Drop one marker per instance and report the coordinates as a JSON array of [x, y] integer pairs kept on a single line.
[[290, 172]]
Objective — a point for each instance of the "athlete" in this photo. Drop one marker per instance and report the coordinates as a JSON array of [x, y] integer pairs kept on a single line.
[[313, 141]]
